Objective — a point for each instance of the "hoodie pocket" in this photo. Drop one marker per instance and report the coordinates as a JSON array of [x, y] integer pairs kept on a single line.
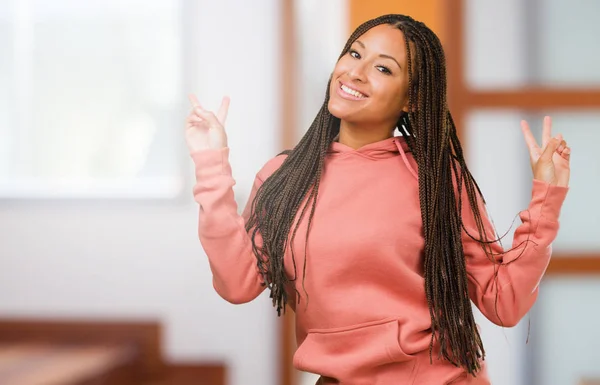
[[351, 352]]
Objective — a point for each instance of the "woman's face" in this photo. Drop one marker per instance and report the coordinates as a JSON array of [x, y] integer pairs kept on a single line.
[[370, 82]]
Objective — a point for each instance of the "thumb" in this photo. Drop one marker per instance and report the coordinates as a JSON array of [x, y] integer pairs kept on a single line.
[[550, 149]]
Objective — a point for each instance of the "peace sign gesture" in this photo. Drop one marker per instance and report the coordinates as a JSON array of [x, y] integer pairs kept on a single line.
[[551, 162], [203, 129]]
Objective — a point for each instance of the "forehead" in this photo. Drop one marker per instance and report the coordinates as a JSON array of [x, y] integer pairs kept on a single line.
[[384, 39]]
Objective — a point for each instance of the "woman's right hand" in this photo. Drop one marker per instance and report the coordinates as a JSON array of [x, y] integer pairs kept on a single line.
[[204, 130]]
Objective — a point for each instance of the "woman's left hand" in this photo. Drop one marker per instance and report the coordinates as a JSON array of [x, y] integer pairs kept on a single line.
[[551, 162]]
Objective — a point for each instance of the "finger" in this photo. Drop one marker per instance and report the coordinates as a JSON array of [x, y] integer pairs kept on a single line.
[[194, 100], [566, 154], [560, 138], [550, 149], [546, 131], [194, 119], [197, 111], [534, 149], [222, 113], [208, 116], [561, 146]]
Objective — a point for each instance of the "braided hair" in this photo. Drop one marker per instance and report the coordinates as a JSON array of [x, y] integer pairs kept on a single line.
[[436, 148]]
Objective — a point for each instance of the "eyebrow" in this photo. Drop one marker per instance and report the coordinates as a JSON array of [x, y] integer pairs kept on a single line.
[[381, 55]]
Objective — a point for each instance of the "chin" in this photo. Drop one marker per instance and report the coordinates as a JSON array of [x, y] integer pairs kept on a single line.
[[337, 110], [332, 109]]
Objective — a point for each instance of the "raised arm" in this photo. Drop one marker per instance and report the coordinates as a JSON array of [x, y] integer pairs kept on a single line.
[[221, 229], [506, 289]]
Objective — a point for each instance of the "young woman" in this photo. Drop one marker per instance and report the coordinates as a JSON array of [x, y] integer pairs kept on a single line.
[[378, 243]]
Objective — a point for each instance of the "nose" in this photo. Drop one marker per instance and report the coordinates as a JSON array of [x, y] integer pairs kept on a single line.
[[358, 72]]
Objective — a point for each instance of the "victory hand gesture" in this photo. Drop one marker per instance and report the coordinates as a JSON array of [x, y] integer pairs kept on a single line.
[[551, 162], [203, 129]]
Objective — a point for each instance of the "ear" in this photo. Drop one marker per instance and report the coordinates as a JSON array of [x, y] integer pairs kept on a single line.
[[405, 108]]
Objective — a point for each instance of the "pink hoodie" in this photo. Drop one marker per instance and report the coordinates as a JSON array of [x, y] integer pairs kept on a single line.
[[366, 320]]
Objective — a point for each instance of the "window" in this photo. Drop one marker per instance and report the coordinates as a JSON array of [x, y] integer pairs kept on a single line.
[[91, 92]]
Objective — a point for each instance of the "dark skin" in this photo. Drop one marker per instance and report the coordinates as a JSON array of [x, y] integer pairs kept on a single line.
[[376, 66]]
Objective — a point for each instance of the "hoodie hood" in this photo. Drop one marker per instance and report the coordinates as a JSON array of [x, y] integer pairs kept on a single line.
[[382, 149]]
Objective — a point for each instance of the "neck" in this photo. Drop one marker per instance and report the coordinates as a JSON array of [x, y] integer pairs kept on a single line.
[[357, 136]]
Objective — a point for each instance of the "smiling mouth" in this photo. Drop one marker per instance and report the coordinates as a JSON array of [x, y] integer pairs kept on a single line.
[[354, 94]]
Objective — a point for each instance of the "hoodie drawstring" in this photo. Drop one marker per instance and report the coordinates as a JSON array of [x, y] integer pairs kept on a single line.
[[410, 168]]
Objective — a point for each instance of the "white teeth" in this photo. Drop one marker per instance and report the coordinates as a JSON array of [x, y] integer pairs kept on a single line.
[[352, 92]]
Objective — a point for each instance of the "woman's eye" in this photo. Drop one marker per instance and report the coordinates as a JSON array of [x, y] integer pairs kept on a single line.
[[384, 70], [354, 54]]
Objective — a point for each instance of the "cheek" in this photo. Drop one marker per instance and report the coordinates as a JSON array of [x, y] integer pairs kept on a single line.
[[390, 100], [341, 67]]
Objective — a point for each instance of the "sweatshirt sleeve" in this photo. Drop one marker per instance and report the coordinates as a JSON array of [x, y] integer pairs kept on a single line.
[[505, 291], [221, 229]]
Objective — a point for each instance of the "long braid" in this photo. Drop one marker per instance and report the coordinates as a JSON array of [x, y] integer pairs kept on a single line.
[[291, 192], [446, 283]]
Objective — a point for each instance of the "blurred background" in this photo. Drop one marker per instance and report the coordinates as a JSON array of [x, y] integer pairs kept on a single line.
[[102, 277]]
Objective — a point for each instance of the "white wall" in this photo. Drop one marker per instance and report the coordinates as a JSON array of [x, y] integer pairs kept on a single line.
[[127, 259], [495, 37], [322, 31]]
